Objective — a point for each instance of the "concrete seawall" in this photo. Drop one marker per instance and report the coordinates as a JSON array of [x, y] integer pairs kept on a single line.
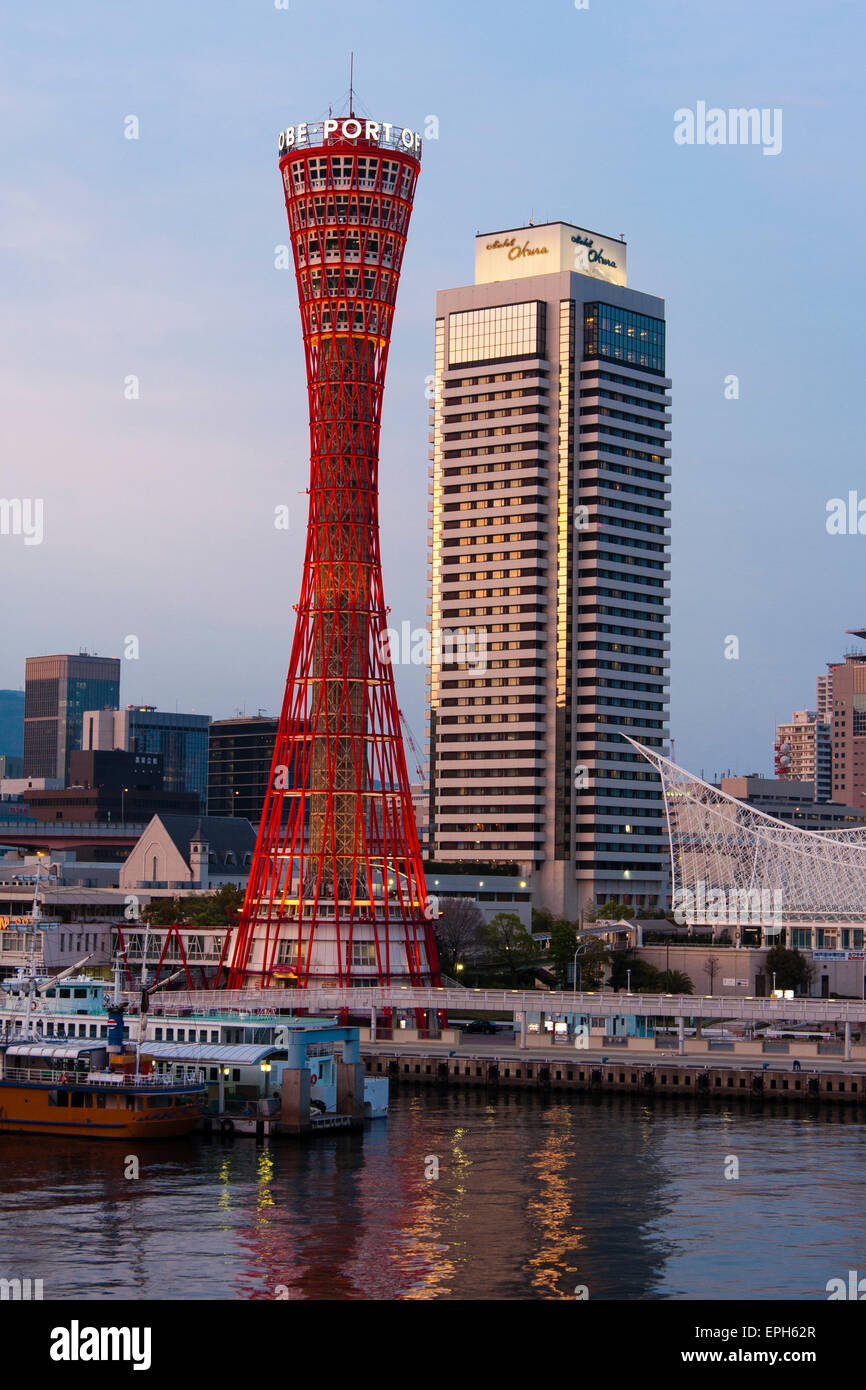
[[668, 1077]]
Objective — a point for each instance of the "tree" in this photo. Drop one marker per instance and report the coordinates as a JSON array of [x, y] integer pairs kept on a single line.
[[542, 921], [592, 962], [614, 911], [563, 943], [791, 969], [676, 982], [506, 945], [645, 979], [456, 930], [162, 912], [215, 909], [711, 966]]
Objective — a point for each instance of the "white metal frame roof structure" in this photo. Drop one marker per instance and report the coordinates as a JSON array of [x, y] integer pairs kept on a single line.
[[765, 868]]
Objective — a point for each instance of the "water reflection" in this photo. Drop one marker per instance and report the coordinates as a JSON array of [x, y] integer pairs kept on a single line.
[[525, 1199]]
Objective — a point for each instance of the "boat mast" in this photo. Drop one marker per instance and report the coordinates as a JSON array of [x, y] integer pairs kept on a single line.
[[34, 918]]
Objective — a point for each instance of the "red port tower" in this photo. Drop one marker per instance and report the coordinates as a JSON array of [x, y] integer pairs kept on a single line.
[[336, 892]]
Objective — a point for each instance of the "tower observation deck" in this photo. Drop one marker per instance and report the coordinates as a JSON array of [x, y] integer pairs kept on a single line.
[[336, 892]]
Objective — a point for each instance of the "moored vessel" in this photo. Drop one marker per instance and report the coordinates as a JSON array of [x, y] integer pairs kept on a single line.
[[69, 1088]]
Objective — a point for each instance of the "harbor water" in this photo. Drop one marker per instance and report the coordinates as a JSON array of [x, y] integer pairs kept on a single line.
[[455, 1196]]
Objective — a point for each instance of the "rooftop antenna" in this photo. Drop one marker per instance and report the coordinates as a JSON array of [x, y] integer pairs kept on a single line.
[[351, 83]]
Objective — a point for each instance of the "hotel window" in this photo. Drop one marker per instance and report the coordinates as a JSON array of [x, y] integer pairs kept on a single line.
[[624, 336], [503, 333]]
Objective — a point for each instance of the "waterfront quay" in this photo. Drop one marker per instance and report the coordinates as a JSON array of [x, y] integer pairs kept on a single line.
[[564, 1069], [595, 1040]]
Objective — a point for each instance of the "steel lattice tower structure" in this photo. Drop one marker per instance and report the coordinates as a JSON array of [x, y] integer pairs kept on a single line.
[[336, 889]]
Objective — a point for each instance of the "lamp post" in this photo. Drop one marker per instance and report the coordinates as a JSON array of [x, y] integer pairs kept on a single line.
[[574, 971]]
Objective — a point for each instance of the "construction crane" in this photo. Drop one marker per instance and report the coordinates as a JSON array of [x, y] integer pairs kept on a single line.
[[414, 749]]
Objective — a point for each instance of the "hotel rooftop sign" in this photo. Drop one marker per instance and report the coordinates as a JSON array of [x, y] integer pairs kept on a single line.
[[543, 250]]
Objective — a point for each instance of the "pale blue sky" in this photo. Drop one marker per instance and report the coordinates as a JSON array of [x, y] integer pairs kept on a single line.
[[155, 257]]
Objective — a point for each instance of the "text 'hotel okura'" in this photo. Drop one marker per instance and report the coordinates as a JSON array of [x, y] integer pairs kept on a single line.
[[549, 517]]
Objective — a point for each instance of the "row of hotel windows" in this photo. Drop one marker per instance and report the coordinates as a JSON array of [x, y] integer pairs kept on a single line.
[[616, 504], [604, 412], [522, 447], [592, 373], [495, 431], [624, 534], [503, 413], [474, 470], [536, 374], [610, 431], [598, 393], [605, 448]]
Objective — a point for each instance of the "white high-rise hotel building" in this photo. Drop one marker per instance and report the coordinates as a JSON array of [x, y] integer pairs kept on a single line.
[[549, 514]]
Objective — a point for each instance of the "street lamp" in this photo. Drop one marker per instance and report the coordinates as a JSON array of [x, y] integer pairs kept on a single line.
[[574, 971]]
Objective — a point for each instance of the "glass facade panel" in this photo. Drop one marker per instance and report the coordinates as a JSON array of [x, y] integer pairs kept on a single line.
[[503, 333], [624, 336]]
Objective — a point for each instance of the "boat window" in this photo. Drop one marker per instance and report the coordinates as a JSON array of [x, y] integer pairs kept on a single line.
[[58, 1097], [100, 1102], [154, 1102], [77, 1100]]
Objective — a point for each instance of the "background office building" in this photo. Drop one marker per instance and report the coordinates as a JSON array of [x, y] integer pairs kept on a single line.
[[57, 692], [804, 752], [12, 730], [549, 501], [181, 740], [844, 693], [239, 766]]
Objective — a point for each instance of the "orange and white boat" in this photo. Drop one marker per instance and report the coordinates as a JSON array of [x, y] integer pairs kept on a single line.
[[69, 1088]]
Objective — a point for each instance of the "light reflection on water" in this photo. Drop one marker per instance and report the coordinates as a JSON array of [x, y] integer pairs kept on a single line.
[[532, 1200]]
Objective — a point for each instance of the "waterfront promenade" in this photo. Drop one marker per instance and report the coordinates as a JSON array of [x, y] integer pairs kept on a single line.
[[602, 1003]]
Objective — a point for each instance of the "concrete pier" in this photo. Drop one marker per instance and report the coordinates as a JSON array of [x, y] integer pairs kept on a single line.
[[669, 1076]]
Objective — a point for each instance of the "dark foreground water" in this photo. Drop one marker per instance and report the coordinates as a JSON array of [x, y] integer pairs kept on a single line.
[[531, 1201]]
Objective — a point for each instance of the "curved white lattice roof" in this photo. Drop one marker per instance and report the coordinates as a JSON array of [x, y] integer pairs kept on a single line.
[[719, 843]]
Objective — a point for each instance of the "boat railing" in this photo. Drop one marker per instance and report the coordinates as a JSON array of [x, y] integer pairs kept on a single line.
[[192, 1076]]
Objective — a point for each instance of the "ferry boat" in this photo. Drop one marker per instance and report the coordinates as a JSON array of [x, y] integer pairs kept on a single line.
[[219, 1042], [70, 1088]]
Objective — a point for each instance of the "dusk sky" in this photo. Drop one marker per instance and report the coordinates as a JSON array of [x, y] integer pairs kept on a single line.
[[155, 258]]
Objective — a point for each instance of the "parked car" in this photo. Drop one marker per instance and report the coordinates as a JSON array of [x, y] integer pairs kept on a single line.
[[479, 1025]]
